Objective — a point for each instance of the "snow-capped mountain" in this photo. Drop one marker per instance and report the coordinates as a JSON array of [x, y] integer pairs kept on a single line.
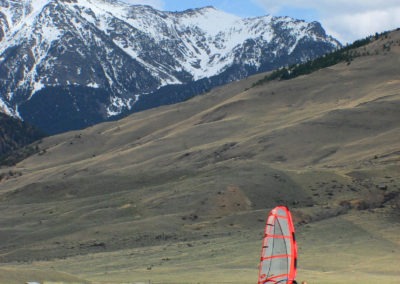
[[72, 63]]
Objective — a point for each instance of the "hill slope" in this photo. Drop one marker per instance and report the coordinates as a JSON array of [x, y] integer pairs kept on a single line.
[[188, 186]]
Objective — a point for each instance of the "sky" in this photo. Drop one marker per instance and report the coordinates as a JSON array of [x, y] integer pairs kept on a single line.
[[346, 20]]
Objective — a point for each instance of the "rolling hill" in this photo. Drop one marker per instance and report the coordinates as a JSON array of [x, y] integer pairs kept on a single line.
[[179, 194]]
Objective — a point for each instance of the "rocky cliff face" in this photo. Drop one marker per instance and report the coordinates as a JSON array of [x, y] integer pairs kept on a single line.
[[67, 64]]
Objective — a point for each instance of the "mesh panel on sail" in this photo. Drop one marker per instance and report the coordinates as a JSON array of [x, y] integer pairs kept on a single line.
[[280, 262]]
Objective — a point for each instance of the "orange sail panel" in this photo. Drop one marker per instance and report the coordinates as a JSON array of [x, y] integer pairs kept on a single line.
[[279, 249]]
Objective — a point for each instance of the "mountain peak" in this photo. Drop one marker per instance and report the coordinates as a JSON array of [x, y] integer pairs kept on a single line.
[[206, 8]]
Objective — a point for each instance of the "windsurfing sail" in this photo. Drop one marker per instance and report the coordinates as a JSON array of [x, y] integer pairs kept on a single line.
[[279, 249]]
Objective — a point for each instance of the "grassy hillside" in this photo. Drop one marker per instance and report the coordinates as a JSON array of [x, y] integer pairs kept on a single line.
[[179, 194]]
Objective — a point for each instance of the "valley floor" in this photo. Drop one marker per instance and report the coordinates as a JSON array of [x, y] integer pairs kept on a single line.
[[357, 247]]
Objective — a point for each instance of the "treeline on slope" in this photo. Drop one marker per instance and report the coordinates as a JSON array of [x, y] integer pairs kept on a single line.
[[345, 54], [15, 137]]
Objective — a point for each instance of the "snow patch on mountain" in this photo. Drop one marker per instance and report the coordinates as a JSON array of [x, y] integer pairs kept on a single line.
[[4, 108], [118, 104]]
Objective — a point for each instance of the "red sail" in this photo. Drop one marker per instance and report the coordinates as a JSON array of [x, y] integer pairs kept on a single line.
[[279, 249]]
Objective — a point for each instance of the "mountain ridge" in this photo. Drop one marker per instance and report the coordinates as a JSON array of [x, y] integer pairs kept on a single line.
[[117, 53]]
